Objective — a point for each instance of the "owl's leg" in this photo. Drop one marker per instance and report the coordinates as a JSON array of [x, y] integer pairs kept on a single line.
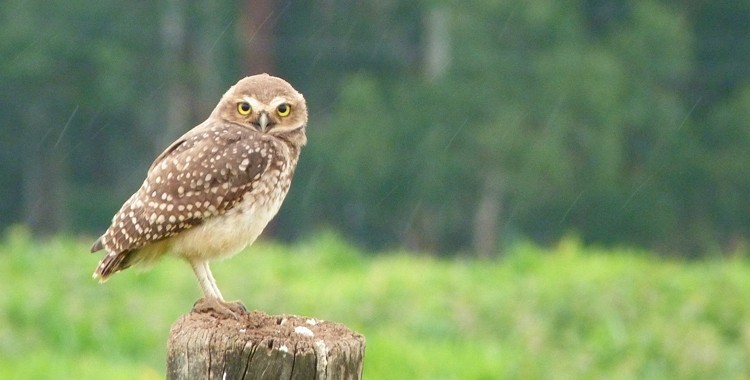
[[213, 300], [206, 280]]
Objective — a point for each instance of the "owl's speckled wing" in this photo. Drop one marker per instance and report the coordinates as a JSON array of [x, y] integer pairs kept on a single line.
[[201, 175]]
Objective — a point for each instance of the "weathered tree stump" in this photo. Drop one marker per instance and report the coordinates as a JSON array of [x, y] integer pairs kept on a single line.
[[261, 346]]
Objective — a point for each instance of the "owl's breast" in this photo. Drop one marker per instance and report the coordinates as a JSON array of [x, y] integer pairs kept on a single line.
[[224, 235]]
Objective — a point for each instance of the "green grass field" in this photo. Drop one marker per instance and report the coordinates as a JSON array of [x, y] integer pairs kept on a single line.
[[565, 313]]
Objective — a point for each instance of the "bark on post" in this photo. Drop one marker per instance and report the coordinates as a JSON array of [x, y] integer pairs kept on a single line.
[[261, 346]]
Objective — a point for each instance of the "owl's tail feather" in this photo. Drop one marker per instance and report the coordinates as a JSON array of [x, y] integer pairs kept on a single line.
[[98, 244], [111, 264]]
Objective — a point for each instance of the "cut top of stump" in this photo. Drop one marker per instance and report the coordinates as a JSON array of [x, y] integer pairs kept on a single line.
[[261, 346]]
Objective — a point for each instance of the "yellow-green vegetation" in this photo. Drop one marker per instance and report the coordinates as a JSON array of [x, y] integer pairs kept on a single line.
[[562, 312]]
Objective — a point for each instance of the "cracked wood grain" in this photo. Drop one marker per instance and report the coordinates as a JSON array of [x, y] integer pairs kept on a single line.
[[260, 346]]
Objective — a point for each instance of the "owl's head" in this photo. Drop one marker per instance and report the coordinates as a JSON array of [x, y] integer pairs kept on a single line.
[[268, 105]]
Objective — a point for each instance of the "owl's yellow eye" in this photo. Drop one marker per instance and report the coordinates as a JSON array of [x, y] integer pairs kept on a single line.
[[283, 109], [244, 108]]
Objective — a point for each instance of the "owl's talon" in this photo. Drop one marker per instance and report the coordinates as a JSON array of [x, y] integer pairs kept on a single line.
[[219, 308], [237, 307]]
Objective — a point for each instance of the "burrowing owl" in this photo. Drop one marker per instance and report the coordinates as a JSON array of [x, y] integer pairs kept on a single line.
[[212, 192]]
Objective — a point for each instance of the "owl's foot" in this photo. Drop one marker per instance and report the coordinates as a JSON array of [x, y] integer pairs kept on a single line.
[[220, 308]]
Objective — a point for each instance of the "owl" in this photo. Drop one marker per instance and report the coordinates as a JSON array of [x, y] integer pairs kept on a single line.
[[213, 191]]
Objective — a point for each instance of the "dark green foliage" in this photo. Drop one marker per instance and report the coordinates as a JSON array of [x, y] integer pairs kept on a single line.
[[624, 122], [580, 133]]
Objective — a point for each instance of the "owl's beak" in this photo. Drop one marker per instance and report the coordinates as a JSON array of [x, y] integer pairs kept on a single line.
[[263, 120]]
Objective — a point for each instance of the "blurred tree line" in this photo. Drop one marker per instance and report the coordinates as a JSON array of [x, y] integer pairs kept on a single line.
[[441, 125]]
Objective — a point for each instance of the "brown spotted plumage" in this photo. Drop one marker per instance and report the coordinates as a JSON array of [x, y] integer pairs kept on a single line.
[[211, 192]]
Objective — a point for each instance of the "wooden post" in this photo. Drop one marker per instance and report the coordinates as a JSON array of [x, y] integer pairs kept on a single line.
[[261, 346]]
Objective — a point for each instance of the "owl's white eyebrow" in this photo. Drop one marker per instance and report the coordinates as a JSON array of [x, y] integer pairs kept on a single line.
[[278, 100], [253, 102]]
